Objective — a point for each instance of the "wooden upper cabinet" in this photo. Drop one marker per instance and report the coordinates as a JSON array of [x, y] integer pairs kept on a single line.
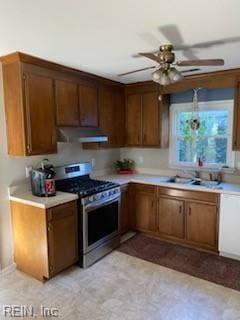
[[150, 119], [201, 224], [88, 104], [236, 119], [106, 116], [134, 119], [147, 120], [38, 95], [171, 217], [67, 109]]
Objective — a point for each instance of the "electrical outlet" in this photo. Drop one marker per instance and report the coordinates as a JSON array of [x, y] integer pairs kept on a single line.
[[28, 169], [141, 159], [93, 161]]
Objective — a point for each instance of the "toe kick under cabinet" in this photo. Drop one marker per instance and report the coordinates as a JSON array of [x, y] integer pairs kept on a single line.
[[45, 240], [184, 216]]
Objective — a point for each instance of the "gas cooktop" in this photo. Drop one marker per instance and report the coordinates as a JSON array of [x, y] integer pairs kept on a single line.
[[84, 186]]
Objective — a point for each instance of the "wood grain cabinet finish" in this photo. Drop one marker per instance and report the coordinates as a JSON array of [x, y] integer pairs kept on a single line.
[[145, 207], [190, 217], [147, 120], [88, 104], [40, 114], [45, 241], [67, 108], [236, 118], [171, 217], [30, 111], [111, 118], [201, 223], [134, 120]]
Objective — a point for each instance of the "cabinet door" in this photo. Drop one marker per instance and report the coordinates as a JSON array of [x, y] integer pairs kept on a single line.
[[124, 210], [119, 119], [88, 101], [236, 122], [134, 119], [202, 223], [150, 119], [171, 217], [40, 114], [66, 103], [106, 116], [62, 236], [145, 211]]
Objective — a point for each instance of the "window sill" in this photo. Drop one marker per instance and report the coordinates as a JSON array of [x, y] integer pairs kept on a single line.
[[202, 169]]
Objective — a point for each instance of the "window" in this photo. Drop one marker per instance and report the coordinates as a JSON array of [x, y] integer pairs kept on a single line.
[[212, 142]]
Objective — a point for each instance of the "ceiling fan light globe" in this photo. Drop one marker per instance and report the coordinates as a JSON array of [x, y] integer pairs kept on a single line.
[[156, 75], [164, 79], [174, 75]]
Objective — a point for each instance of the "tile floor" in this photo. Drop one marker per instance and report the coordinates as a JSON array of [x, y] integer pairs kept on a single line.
[[121, 287]]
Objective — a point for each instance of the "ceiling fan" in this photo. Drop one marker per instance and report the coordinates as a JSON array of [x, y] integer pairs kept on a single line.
[[166, 72]]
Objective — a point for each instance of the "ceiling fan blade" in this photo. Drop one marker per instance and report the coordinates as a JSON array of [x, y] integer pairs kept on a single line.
[[172, 34], [150, 56], [150, 39], [215, 42], [130, 72], [190, 70], [201, 62]]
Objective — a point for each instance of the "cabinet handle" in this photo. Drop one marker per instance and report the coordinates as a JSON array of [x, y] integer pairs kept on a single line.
[[152, 203], [189, 211], [49, 227], [180, 209]]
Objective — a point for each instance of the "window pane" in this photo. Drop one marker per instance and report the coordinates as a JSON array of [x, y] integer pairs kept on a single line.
[[211, 149], [213, 122]]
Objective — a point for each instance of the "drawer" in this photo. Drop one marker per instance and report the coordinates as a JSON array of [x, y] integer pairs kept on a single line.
[[61, 211], [189, 194], [146, 188]]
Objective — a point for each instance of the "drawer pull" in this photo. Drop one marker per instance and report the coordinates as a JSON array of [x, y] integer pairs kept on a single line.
[[180, 209]]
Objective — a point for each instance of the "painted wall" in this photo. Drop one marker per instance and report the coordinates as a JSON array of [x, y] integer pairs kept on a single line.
[[12, 171]]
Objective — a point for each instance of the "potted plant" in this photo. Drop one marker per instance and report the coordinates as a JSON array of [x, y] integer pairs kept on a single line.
[[125, 166]]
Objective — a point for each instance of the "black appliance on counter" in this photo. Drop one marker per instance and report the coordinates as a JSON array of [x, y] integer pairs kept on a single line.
[[98, 211], [42, 180]]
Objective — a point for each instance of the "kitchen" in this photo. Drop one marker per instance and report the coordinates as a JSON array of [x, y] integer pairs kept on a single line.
[[90, 101]]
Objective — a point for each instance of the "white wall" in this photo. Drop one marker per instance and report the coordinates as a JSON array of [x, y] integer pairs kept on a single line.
[[12, 171]]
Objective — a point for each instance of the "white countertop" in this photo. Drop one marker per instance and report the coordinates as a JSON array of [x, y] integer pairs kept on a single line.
[[22, 194], [229, 188]]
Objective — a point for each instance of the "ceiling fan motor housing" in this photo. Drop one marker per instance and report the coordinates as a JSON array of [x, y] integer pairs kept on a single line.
[[165, 54]]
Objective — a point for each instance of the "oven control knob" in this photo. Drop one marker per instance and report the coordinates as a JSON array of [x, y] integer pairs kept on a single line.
[[104, 194]]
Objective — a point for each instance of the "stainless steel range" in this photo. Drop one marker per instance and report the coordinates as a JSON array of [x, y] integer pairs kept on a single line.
[[98, 208]]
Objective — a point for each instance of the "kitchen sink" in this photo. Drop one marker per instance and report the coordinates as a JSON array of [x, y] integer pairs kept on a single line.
[[207, 184], [180, 180], [191, 182]]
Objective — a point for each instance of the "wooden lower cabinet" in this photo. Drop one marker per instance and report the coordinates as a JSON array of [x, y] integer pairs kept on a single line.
[[45, 240], [145, 208], [183, 216], [201, 223], [171, 217]]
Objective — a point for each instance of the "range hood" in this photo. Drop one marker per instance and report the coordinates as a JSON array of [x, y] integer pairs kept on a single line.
[[80, 134]]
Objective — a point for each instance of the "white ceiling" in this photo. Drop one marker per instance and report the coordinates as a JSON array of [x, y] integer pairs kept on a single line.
[[101, 36]]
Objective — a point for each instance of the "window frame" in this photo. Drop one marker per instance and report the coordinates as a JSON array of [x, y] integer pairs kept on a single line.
[[176, 108]]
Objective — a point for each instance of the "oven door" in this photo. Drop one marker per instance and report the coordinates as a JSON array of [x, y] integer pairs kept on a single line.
[[100, 222]]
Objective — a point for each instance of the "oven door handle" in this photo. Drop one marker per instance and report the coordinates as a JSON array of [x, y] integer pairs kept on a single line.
[[101, 203]]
